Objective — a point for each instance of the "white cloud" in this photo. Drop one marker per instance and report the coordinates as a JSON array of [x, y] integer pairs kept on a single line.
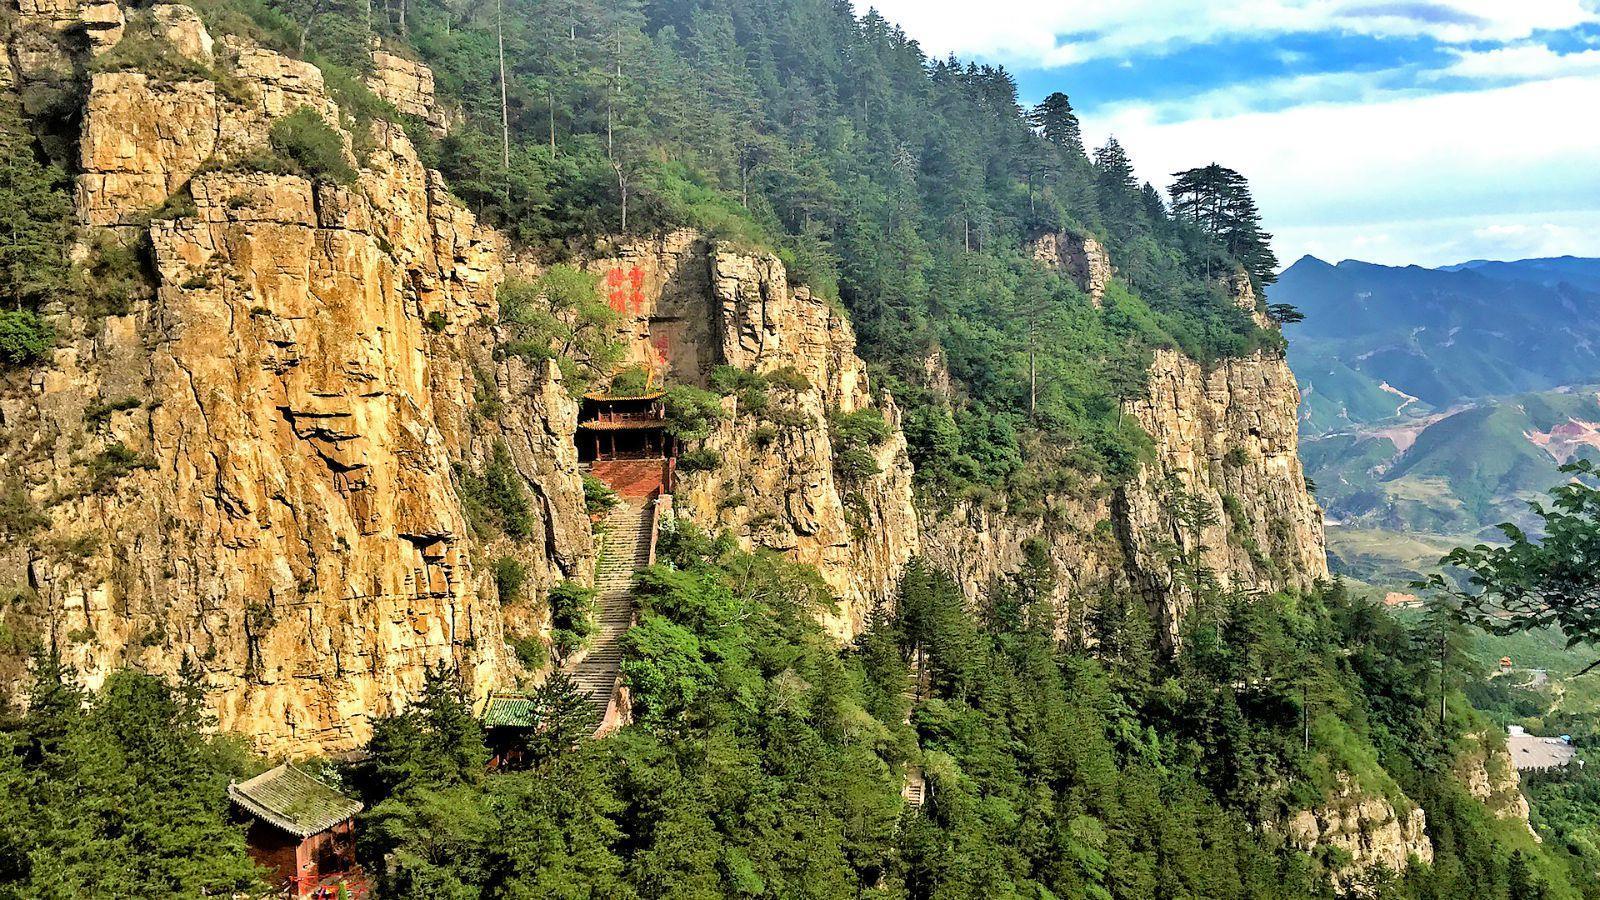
[[1521, 61], [1446, 240], [1029, 32], [1414, 169]]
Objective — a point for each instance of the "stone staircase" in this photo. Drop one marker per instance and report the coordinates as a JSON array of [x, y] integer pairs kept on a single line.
[[626, 549]]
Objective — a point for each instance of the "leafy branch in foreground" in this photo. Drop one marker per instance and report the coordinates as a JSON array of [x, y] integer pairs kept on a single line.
[[1552, 581]]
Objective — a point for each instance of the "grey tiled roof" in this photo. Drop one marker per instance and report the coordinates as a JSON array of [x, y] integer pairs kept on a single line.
[[293, 801], [507, 710]]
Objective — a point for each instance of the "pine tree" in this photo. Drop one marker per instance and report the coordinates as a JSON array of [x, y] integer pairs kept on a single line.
[[563, 717], [35, 232], [1217, 200], [1057, 123]]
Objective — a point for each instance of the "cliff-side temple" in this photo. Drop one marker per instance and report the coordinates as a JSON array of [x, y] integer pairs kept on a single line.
[[623, 441]]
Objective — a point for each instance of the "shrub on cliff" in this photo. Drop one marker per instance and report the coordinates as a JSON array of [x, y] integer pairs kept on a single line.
[[561, 316], [315, 147], [855, 436], [35, 231], [24, 337], [692, 413], [495, 499]]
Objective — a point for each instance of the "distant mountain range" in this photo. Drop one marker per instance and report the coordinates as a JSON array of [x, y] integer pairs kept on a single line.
[[1437, 402], [1380, 342]]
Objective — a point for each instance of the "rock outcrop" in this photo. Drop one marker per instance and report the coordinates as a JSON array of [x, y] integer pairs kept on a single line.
[[256, 475], [1226, 444], [1364, 831], [409, 86], [690, 305], [1080, 257], [1226, 441], [1227, 438], [145, 136], [1485, 767], [259, 472]]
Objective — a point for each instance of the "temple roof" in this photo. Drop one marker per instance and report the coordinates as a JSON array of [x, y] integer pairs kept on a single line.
[[602, 396], [508, 711], [294, 801], [624, 425]]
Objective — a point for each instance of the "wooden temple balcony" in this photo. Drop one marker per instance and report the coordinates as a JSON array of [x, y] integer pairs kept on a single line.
[[612, 428]]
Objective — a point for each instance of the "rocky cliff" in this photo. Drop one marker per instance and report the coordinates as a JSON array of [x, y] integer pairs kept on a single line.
[[254, 472], [1357, 833], [1226, 451], [262, 469], [691, 305], [1485, 767]]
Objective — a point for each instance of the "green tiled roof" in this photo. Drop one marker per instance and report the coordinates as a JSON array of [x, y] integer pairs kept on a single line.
[[293, 800], [508, 711]]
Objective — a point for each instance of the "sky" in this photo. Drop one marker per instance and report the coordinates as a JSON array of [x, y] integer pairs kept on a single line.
[[1426, 132]]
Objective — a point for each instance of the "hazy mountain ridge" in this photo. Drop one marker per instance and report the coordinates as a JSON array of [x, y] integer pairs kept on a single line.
[[1439, 401], [1375, 336]]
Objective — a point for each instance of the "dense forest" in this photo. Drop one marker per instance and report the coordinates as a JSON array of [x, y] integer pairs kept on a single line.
[[767, 762]]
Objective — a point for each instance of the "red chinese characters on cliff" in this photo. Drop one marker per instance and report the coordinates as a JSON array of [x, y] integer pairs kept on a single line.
[[625, 290]]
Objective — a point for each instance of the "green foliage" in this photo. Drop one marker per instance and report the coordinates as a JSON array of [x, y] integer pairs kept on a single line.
[[112, 278], [120, 794], [907, 187], [572, 616], [1217, 200], [313, 146], [1535, 583], [598, 497], [35, 233], [509, 577], [562, 717], [692, 413], [630, 382], [561, 316], [434, 743], [496, 499], [855, 436], [100, 412], [531, 652], [112, 464], [765, 760], [18, 515], [702, 460], [749, 387], [24, 337]]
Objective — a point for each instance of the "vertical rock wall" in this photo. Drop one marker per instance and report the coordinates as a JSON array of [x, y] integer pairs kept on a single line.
[[253, 475], [691, 305]]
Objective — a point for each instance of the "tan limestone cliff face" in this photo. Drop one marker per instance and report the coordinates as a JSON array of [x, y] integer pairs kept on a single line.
[[690, 305], [144, 137], [253, 475], [1367, 828], [978, 543], [409, 86], [43, 46], [1079, 257], [1486, 769], [1229, 438]]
